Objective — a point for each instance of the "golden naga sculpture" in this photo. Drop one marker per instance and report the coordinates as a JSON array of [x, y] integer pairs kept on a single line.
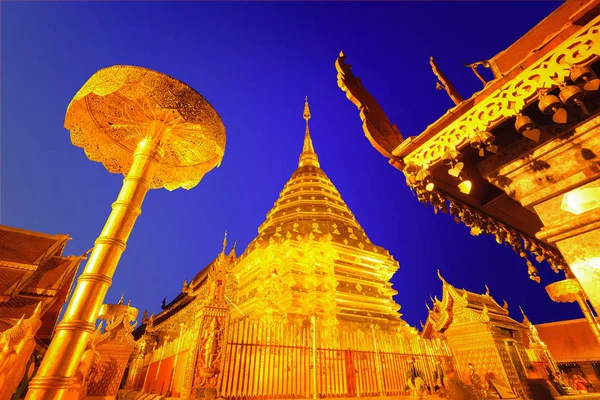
[[16, 346], [444, 83], [158, 132], [382, 134]]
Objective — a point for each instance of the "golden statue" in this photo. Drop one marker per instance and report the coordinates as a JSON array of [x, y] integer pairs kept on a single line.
[[16, 346], [158, 132]]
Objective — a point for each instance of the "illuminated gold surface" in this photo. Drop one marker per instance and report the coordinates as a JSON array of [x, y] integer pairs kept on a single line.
[[114, 348], [150, 127], [121, 105], [554, 174], [569, 291], [480, 334], [507, 101], [16, 346], [305, 312], [312, 256], [580, 201]]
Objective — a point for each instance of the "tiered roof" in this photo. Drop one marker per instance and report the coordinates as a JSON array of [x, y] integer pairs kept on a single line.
[[310, 216], [478, 307], [33, 270]]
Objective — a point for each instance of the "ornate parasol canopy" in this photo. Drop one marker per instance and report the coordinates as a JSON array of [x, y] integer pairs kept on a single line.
[[121, 105]]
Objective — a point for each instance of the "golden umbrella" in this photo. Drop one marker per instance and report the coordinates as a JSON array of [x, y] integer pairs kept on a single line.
[[158, 132]]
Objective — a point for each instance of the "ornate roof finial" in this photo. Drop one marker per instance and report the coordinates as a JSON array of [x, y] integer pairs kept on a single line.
[[121, 299], [440, 276], [224, 242], [233, 248], [308, 156], [505, 305], [444, 83], [487, 290], [525, 319]]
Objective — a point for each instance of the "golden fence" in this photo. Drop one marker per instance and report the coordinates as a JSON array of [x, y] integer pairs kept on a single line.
[[281, 360]]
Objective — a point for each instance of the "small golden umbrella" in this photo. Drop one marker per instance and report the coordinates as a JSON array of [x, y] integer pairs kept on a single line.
[[158, 132]]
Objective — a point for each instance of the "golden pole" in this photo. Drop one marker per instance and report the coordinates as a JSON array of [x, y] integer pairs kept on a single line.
[[587, 312], [58, 369], [125, 117]]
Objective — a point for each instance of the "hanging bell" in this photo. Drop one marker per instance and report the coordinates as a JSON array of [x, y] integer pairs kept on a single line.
[[585, 75], [487, 137], [425, 176], [525, 126], [475, 142], [580, 74], [550, 104], [447, 158], [569, 94], [572, 95], [411, 168]]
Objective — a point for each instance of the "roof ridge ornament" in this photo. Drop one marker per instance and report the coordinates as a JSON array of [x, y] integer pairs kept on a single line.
[[382, 134], [444, 83]]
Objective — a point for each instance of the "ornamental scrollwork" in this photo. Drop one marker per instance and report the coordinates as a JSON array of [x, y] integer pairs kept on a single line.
[[510, 99]]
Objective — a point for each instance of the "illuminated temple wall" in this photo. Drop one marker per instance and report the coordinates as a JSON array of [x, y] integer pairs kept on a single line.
[[275, 359], [307, 310]]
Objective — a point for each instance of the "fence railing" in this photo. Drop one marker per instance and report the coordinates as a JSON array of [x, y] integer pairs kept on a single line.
[[276, 360]]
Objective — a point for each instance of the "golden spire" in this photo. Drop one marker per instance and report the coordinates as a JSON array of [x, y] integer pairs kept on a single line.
[[308, 156]]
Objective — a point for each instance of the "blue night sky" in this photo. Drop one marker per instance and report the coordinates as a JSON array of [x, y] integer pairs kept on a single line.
[[255, 62]]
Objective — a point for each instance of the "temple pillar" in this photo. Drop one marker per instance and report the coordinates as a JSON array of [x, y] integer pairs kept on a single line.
[[213, 316], [560, 181]]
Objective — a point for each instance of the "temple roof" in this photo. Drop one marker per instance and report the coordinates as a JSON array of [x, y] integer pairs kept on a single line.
[[537, 43], [28, 247], [480, 307], [33, 271], [196, 287], [570, 341]]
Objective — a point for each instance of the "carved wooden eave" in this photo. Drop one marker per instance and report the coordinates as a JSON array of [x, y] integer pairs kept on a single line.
[[544, 68]]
